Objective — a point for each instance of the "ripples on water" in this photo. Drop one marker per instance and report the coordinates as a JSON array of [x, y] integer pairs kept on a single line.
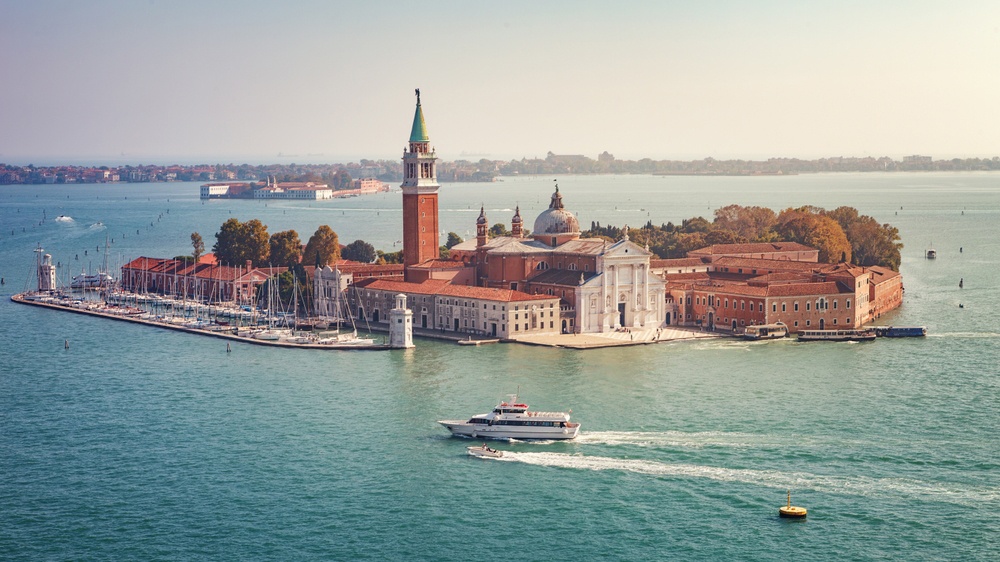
[[138, 443]]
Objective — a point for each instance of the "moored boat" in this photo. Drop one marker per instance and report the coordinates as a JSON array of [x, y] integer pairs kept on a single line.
[[513, 420], [84, 281], [849, 334], [766, 331], [900, 331]]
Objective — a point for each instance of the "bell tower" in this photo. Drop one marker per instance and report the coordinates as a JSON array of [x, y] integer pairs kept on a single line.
[[420, 196]]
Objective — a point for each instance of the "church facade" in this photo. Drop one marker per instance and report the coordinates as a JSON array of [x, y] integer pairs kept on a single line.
[[567, 284], [602, 286]]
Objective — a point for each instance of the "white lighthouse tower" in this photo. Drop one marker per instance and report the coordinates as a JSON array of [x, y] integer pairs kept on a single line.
[[46, 271], [401, 324]]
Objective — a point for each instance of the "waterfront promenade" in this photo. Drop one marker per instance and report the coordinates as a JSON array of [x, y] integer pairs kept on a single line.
[[644, 336]]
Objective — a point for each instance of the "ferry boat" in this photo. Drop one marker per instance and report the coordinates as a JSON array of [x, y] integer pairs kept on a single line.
[[900, 331], [766, 331], [513, 420], [861, 334]]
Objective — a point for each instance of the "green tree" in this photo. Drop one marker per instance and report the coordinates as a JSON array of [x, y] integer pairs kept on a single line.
[[341, 179], [453, 239], [323, 247], [809, 226], [696, 224], [359, 250], [875, 244], [198, 245], [236, 242], [286, 248], [748, 223], [390, 257], [499, 229]]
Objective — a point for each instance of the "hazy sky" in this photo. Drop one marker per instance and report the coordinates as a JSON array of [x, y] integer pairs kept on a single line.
[[207, 81]]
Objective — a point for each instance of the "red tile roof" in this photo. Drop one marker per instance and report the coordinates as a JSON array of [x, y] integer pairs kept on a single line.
[[440, 264], [676, 262], [754, 248]]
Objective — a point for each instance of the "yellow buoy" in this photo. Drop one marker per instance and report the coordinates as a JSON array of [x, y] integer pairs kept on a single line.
[[790, 510]]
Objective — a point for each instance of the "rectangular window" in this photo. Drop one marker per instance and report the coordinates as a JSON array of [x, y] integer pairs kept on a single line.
[[796, 307], [782, 307], [774, 307], [808, 304], [834, 320], [835, 305], [848, 303]]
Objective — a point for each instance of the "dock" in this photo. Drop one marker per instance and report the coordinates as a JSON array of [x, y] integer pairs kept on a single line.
[[21, 298]]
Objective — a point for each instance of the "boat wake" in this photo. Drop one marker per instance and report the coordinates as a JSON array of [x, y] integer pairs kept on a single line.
[[97, 226], [681, 439], [64, 218], [853, 485], [964, 335]]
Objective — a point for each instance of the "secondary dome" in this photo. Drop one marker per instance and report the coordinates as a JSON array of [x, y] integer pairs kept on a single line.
[[556, 219]]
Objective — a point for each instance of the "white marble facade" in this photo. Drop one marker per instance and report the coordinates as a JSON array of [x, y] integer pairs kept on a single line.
[[624, 295]]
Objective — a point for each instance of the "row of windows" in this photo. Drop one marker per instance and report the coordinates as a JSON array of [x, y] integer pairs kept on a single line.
[[517, 327], [526, 422]]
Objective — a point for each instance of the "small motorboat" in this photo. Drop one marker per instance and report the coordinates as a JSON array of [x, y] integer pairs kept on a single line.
[[484, 452]]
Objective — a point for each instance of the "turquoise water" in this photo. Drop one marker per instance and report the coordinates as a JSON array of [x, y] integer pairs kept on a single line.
[[138, 443]]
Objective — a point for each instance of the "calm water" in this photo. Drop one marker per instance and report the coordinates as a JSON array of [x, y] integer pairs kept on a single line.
[[145, 444]]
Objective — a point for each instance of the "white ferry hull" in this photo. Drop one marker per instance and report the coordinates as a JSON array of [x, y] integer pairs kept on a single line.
[[462, 428]]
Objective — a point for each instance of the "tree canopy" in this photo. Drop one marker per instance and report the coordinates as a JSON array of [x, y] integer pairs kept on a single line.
[[840, 234], [323, 247], [197, 245], [359, 250], [499, 229], [236, 242], [286, 249], [453, 240]]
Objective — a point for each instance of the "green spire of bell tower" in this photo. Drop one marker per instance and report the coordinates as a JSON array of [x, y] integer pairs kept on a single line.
[[419, 131]]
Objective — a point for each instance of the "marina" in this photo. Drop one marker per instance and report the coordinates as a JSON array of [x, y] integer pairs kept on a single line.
[[256, 336]]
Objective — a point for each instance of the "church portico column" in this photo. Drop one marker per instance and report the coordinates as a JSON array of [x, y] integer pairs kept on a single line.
[[617, 316]]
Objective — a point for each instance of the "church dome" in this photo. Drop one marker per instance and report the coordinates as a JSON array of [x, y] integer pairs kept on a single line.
[[556, 219]]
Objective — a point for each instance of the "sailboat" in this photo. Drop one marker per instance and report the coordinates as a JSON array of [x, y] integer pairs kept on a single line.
[[272, 333], [346, 338]]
